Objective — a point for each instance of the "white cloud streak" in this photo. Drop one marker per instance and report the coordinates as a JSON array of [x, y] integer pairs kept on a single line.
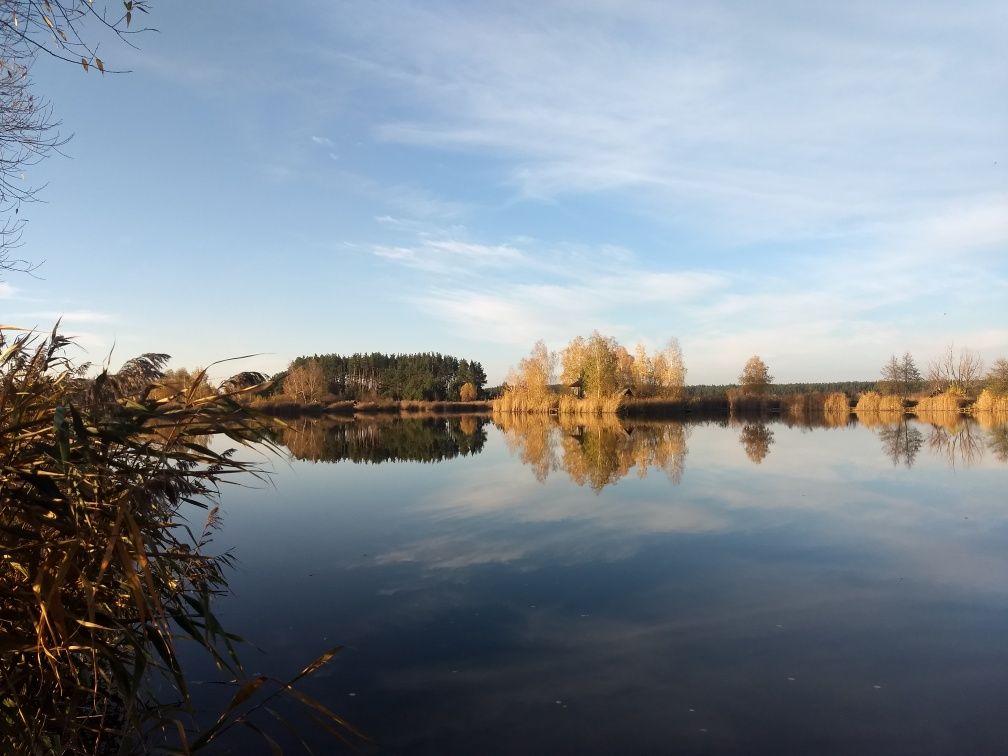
[[783, 121]]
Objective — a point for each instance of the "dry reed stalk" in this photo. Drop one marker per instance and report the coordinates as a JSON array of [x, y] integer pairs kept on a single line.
[[989, 403], [947, 402]]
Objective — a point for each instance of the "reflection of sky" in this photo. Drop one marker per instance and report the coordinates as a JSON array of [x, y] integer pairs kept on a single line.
[[473, 598]]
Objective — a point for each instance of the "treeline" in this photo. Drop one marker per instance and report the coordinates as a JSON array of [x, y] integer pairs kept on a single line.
[[420, 377], [853, 388]]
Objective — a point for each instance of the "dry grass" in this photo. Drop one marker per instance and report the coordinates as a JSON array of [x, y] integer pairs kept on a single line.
[[989, 403], [943, 403], [570, 405], [836, 409], [519, 402], [874, 402]]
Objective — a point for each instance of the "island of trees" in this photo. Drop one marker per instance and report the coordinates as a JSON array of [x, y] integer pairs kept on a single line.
[[426, 377]]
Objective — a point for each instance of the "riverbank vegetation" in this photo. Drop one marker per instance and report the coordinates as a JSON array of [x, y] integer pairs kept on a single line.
[[599, 376], [108, 517], [596, 375]]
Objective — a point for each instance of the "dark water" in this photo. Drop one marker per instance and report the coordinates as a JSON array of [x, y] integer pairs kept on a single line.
[[655, 588]]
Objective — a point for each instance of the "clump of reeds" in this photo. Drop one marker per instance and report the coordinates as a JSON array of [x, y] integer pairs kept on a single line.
[[590, 405], [520, 401], [990, 403], [872, 401], [947, 402], [868, 402], [101, 567], [836, 409]]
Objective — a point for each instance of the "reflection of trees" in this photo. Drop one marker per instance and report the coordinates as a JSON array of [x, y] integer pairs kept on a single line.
[[531, 437], [756, 439], [596, 451], [960, 442], [998, 442], [397, 439], [901, 442]]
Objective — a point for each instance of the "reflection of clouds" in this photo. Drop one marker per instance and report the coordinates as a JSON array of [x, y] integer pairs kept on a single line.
[[495, 518], [834, 480], [713, 650]]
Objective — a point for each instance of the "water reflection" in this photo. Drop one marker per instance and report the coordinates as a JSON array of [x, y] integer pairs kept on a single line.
[[901, 442], [756, 439], [998, 442], [754, 608], [960, 441], [385, 440], [599, 451], [595, 451], [960, 444]]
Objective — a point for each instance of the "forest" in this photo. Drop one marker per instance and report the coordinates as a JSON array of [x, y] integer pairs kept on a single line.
[[425, 376]]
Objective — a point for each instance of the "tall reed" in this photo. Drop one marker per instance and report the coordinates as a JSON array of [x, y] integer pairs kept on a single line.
[[872, 401], [948, 402], [991, 404], [102, 563]]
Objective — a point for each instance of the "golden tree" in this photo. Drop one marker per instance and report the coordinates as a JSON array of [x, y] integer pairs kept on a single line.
[[755, 377], [305, 383]]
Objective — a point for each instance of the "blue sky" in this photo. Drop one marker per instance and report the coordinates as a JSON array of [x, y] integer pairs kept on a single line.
[[820, 184]]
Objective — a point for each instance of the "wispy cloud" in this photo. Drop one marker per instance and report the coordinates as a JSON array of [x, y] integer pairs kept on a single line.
[[415, 202], [322, 141], [783, 123], [825, 317]]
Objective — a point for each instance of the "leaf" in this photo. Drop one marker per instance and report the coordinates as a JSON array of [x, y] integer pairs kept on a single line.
[[322, 660], [246, 692], [319, 707], [129, 17]]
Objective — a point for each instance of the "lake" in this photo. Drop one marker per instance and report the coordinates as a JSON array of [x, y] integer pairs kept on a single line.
[[709, 587]]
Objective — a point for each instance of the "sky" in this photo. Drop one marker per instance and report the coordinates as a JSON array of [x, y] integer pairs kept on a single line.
[[819, 184]]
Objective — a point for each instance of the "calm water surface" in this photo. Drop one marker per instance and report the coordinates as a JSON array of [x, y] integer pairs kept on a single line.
[[656, 588]]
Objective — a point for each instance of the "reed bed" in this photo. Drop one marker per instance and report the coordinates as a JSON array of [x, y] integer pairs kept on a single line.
[[605, 405], [874, 402], [836, 403], [943, 403], [103, 562], [520, 402], [989, 403]]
